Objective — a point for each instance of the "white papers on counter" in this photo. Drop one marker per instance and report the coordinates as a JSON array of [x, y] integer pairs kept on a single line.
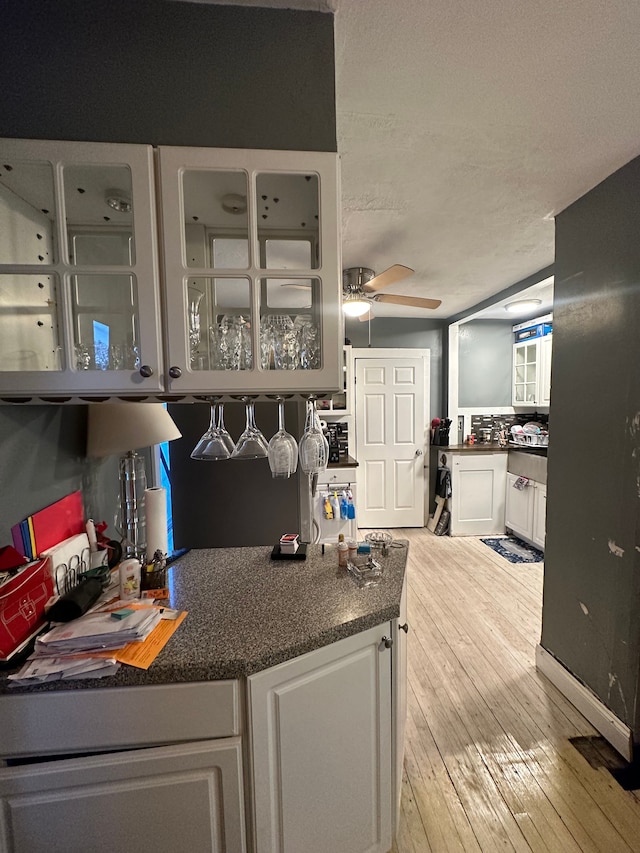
[[66, 651], [98, 631], [37, 670]]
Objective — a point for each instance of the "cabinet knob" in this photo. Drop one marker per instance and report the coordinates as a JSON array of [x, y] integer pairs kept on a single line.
[[175, 372], [418, 452], [146, 371], [404, 627], [385, 643]]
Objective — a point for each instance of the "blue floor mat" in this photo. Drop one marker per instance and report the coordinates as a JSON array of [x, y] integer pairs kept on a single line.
[[514, 549]]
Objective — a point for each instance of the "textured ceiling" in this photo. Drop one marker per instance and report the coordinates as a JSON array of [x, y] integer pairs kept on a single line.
[[464, 127]]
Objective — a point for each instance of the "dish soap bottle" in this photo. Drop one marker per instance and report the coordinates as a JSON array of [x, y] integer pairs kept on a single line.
[[343, 551]]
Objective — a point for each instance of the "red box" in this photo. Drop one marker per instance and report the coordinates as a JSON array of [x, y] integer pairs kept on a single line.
[[22, 601]]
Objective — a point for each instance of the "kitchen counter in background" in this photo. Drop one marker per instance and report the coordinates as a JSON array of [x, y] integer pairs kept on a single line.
[[347, 462], [247, 612], [492, 448]]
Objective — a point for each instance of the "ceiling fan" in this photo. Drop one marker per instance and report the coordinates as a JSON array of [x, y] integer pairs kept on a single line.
[[360, 286]]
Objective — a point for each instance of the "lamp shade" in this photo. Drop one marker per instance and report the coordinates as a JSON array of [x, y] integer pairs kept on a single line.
[[116, 428]]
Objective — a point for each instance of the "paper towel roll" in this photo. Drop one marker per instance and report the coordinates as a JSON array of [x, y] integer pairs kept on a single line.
[[155, 507]]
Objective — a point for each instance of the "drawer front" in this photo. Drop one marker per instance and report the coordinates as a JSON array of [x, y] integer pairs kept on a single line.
[[337, 475], [104, 719]]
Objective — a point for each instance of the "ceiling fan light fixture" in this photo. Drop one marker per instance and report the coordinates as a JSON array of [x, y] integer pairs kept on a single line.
[[354, 305], [522, 305]]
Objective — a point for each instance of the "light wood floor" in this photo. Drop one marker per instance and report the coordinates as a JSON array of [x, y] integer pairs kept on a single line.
[[488, 763]]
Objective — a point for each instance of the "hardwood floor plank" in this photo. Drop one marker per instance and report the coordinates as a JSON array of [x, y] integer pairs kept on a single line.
[[488, 762]]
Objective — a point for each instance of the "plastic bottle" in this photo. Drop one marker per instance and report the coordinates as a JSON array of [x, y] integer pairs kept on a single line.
[[335, 506], [343, 551], [344, 510], [353, 549], [130, 572]]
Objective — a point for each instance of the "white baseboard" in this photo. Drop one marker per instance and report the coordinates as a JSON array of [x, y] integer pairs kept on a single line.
[[601, 718]]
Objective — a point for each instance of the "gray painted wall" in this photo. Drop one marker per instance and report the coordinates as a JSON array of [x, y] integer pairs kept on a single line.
[[485, 354], [591, 618], [42, 458], [406, 332], [154, 72]]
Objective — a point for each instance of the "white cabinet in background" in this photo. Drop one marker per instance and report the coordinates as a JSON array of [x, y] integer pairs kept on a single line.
[[321, 744], [185, 796], [532, 371], [477, 493], [336, 481], [526, 510], [539, 526]]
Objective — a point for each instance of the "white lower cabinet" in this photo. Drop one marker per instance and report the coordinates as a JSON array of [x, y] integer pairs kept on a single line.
[[526, 509], [321, 735], [477, 493], [180, 797]]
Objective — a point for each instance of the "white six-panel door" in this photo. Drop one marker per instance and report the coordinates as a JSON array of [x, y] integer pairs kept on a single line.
[[391, 427]]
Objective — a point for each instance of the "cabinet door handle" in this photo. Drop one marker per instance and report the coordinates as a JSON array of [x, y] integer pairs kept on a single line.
[[404, 627], [175, 372], [385, 643], [146, 371]]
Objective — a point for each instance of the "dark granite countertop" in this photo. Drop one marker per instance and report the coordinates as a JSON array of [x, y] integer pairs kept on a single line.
[[538, 450], [247, 612], [349, 462]]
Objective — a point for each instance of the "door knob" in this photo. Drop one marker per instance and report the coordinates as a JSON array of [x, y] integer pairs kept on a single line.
[[146, 371], [175, 372], [418, 452]]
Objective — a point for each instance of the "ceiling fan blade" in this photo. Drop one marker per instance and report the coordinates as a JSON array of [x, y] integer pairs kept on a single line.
[[413, 301], [390, 276]]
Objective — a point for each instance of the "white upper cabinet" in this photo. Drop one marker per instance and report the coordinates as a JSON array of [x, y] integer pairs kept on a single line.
[[79, 289], [249, 299], [532, 371], [251, 270]]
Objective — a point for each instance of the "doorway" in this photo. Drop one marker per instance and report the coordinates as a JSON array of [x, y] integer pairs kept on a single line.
[[392, 401]]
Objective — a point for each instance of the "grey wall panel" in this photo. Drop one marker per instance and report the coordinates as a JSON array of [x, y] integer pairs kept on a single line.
[[485, 353], [406, 332], [165, 73], [232, 502], [591, 619], [42, 459]]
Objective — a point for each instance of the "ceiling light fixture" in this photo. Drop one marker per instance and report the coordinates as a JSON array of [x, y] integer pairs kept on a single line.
[[355, 305], [522, 305]]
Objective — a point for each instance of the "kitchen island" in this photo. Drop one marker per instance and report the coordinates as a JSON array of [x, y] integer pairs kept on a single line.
[[283, 689]]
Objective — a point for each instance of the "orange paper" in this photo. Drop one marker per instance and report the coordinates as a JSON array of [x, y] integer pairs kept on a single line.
[[142, 655]]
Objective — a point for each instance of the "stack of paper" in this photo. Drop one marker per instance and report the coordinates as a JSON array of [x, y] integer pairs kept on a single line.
[[40, 669], [77, 649], [98, 631]]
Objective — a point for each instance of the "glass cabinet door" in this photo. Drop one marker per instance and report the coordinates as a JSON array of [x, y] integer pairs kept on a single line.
[[79, 296], [252, 282], [525, 372]]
